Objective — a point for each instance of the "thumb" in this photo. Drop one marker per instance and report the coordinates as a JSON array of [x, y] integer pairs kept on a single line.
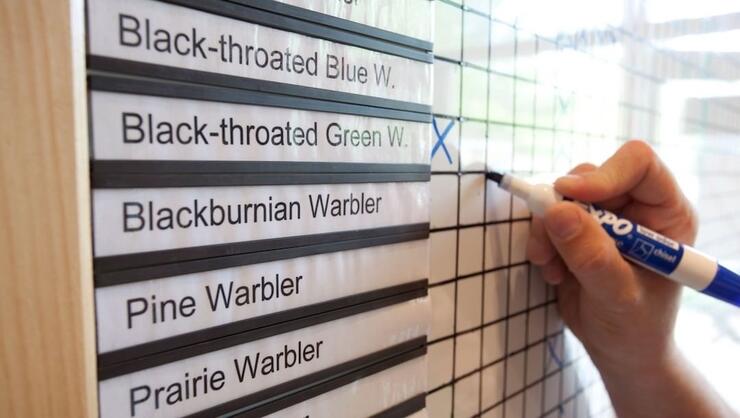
[[590, 254], [633, 171]]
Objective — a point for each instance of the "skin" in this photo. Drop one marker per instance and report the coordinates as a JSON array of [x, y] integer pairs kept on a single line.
[[623, 314]]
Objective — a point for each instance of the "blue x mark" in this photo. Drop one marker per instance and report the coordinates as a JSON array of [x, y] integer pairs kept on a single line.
[[564, 102], [553, 355], [441, 139]]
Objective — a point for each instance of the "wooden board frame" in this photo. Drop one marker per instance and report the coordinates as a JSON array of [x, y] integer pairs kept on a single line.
[[47, 349]]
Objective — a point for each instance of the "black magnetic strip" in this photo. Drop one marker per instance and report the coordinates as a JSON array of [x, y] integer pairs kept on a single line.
[[129, 180], [127, 261], [112, 278], [404, 409], [142, 69], [237, 327], [339, 23], [286, 23], [111, 370], [263, 409], [178, 90], [107, 167], [405, 350]]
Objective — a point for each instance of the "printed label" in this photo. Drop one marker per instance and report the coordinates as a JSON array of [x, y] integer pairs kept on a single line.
[[135, 127], [146, 311], [407, 17], [194, 384], [646, 247], [140, 220], [366, 397], [160, 33]]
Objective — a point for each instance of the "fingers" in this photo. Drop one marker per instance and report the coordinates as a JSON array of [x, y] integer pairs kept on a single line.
[[633, 170], [541, 252], [555, 272], [568, 304], [583, 168], [676, 221], [539, 248], [590, 254], [613, 204]]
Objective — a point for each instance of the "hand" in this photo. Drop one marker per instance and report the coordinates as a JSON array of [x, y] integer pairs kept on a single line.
[[623, 314]]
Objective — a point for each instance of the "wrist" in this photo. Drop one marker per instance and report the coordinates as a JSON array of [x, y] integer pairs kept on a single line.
[[635, 384], [655, 365], [665, 387]]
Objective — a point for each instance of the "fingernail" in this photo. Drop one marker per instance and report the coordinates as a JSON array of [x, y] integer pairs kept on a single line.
[[552, 278], [565, 223], [536, 252], [552, 274], [571, 180]]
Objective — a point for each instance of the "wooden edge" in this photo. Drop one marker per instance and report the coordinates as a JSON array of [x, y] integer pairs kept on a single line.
[[47, 345]]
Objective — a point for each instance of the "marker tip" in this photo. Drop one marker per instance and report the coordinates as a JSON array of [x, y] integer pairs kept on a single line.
[[495, 176]]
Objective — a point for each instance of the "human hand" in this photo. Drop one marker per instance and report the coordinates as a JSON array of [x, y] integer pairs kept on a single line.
[[623, 314]]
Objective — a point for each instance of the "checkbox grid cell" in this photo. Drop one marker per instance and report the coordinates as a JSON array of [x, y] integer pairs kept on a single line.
[[497, 347]]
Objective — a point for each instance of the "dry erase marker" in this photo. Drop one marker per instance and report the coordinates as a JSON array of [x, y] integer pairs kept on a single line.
[[647, 248]]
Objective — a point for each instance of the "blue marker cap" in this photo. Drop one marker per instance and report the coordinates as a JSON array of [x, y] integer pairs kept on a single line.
[[725, 286]]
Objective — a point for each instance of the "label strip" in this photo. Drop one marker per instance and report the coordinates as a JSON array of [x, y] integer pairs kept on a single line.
[[353, 22], [400, 352], [160, 33], [127, 221], [113, 364], [264, 15], [109, 180], [246, 297], [115, 270], [422, 413], [107, 167], [137, 127], [111, 358], [212, 93], [405, 375], [165, 72], [282, 363], [405, 409]]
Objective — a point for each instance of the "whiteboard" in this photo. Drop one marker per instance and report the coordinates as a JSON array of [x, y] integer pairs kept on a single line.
[[525, 87]]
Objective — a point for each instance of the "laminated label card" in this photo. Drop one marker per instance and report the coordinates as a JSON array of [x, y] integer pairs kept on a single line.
[[137, 127], [193, 384], [165, 34], [149, 310], [140, 220]]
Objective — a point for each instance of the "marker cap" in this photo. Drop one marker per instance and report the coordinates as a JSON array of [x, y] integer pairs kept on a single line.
[[725, 286]]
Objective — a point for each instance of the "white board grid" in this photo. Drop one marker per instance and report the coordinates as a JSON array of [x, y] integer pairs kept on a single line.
[[536, 88]]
